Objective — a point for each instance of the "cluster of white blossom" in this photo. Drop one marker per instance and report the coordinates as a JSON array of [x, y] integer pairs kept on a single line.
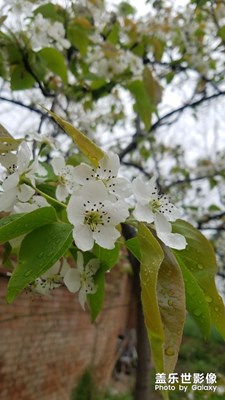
[[108, 62], [18, 185], [96, 199], [44, 32]]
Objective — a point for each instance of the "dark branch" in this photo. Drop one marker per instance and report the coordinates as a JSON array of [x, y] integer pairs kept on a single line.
[[190, 180], [160, 122], [184, 107], [19, 103]]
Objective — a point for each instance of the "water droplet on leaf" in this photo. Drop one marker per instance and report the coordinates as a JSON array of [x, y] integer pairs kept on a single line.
[[169, 351], [197, 312], [27, 273], [40, 255]]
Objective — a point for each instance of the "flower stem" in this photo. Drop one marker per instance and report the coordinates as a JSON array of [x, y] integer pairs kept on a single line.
[[47, 197], [43, 194]]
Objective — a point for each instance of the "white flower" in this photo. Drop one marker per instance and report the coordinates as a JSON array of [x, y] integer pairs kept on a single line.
[[82, 278], [38, 32], [57, 32], [95, 216], [66, 182], [44, 32], [46, 139], [9, 161], [164, 232], [32, 204], [13, 187], [107, 173], [51, 279], [153, 207]]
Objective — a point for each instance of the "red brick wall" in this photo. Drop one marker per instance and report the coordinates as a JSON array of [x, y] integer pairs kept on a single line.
[[47, 343]]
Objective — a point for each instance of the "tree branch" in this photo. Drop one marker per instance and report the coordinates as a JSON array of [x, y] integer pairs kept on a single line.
[[19, 103], [184, 107], [133, 144]]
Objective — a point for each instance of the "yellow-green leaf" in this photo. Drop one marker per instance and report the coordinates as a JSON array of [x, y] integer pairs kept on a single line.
[[199, 259], [151, 259], [7, 142], [86, 146], [196, 303], [171, 300], [153, 88], [55, 61], [143, 105]]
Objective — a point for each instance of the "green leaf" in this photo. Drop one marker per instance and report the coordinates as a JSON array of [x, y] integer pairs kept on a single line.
[[152, 87], [20, 78], [221, 32], [199, 259], [95, 300], [196, 303], [7, 142], [151, 259], [165, 295], [39, 250], [18, 224], [108, 258], [126, 9], [54, 61], [88, 148], [48, 10], [171, 300], [78, 36], [113, 36], [134, 247], [143, 105]]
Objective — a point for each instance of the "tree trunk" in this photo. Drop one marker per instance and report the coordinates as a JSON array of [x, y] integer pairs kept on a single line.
[[142, 387]]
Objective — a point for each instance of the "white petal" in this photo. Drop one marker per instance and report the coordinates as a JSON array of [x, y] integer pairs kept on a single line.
[[109, 165], [72, 280], [11, 181], [20, 207], [83, 237], [152, 186], [7, 199], [8, 160], [169, 210], [23, 157], [58, 163], [120, 187], [61, 192], [173, 240], [64, 268], [92, 266], [94, 191], [80, 262], [162, 224], [25, 192], [141, 191], [82, 297], [118, 211], [54, 270], [106, 237], [143, 213], [40, 201], [75, 210], [82, 173], [164, 232]]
